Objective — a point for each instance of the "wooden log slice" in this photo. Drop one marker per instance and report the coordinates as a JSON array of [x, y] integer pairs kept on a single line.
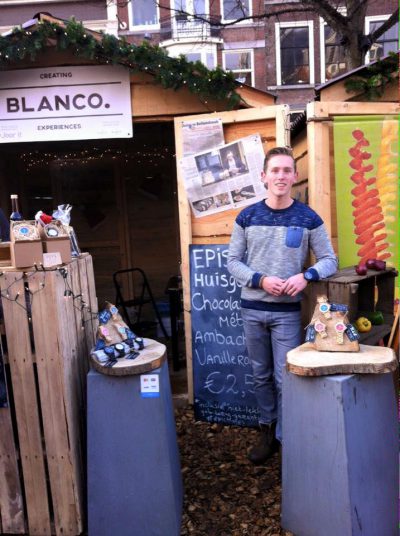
[[151, 357], [306, 361]]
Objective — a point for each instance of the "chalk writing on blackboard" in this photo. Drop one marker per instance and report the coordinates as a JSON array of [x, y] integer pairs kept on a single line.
[[222, 375]]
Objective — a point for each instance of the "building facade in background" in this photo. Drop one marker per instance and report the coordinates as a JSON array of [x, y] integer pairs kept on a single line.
[[304, 52], [177, 26], [287, 55]]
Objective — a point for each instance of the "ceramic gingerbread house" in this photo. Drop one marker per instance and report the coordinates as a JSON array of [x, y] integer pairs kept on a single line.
[[330, 330]]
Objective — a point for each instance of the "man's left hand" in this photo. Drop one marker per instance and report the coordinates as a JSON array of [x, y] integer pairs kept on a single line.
[[293, 285]]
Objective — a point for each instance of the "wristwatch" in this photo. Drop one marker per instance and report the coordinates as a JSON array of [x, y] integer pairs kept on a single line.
[[308, 275], [119, 349]]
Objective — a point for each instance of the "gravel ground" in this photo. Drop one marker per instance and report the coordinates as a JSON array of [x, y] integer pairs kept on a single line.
[[225, 494]]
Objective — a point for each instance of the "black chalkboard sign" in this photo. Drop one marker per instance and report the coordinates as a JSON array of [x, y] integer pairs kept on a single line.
[[222, 374]]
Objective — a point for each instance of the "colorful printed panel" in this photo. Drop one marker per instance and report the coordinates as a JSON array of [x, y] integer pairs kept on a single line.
[[367, 188]]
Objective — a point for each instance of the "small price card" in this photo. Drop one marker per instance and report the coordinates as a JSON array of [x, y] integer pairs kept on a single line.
[[150, 385]]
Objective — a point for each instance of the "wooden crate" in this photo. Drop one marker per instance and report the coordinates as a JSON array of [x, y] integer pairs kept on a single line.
[[42, 440], [359, 293]]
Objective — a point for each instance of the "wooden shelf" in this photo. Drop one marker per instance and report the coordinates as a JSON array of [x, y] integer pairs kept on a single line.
[[376, 333], [348, 275]]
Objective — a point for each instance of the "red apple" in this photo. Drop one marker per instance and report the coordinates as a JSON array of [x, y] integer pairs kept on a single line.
[[380, 265], [361, 269], [376, 264]]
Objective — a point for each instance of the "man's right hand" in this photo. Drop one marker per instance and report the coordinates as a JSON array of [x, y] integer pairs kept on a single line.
[[273, 285]]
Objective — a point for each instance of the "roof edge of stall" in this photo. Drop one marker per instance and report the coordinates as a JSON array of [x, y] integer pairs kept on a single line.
[[24, 43], [375, 81]]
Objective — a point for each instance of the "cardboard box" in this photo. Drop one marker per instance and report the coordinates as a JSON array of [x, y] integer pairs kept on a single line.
[[25, 252], [5, 254], [55, 239], [61, 244]]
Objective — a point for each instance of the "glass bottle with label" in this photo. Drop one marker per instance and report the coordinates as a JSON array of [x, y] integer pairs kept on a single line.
[[15, 214]]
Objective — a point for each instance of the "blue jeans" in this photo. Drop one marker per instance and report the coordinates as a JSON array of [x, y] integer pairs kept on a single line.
[[269, 336]]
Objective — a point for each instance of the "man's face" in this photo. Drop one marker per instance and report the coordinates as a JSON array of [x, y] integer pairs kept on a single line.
[[279, 175]]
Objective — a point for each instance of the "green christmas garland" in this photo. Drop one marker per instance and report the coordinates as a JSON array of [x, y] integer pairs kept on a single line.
[[372, 81], [173, 73]]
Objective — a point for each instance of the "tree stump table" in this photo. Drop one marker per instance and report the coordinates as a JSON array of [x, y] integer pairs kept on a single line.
[[134, 477], [340, 452]]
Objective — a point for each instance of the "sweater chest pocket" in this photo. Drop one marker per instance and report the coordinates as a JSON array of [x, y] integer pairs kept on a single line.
[[294, 237]]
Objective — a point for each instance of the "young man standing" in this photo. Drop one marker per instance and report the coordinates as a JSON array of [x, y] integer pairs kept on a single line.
[[269, 247]]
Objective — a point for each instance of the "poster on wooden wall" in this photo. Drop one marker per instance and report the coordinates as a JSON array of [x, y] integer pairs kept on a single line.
[[367, 189], [224, 177], [201, 135]]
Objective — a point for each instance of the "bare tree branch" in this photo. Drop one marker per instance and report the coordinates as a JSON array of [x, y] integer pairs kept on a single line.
[[329, 13], [353, 6], [391, 21], [349, 25], [208, 19]]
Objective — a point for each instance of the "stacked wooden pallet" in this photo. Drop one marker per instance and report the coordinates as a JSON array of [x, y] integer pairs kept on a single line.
[[50, 322]]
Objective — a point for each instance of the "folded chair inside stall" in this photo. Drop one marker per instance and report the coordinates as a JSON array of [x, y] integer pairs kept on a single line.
[[142, 295]]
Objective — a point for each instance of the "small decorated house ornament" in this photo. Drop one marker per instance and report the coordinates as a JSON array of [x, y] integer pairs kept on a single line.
[[115, 340], [330, 330]]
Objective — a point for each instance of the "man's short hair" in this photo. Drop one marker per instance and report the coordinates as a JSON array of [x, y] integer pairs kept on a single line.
[[286, 151]]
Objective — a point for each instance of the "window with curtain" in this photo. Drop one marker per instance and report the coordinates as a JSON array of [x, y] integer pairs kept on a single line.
[[194, 7], [295, 55], [144, 13], [235, 9], [335, 63], [388, 42], [240, 63], [206, 54]]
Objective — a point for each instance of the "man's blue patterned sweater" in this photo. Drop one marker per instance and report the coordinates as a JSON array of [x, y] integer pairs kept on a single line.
[[276, 243]]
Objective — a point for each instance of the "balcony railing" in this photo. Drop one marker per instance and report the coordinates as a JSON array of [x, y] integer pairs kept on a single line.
[[183, 26], [186, 27]]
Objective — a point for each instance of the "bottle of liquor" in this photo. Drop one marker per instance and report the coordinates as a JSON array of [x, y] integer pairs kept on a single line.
[[15, 214]]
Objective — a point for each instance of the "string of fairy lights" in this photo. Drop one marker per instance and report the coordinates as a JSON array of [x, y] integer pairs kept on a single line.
[[145, 155], [25, 299]]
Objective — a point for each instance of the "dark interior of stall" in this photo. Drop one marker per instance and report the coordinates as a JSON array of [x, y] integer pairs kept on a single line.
[[125, 214]]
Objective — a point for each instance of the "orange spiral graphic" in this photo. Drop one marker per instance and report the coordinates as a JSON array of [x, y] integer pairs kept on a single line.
[[368, 217]]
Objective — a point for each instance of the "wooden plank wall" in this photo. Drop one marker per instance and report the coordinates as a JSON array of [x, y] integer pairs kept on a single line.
[[48, 338], [27, 404], [271, 123], [12, 519], [300, 153]]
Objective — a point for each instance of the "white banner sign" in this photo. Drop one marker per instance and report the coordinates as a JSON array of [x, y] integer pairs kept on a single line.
[[65, 103]]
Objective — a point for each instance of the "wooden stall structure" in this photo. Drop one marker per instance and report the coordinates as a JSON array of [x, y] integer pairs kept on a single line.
[[46, 338], [127, 189], [313, 142], [313, 145], [120, 189], [272, 124], [321, 174]]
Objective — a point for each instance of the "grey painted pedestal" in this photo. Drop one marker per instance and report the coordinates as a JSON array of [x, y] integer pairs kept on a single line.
[[340, 455], [134, 478]]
